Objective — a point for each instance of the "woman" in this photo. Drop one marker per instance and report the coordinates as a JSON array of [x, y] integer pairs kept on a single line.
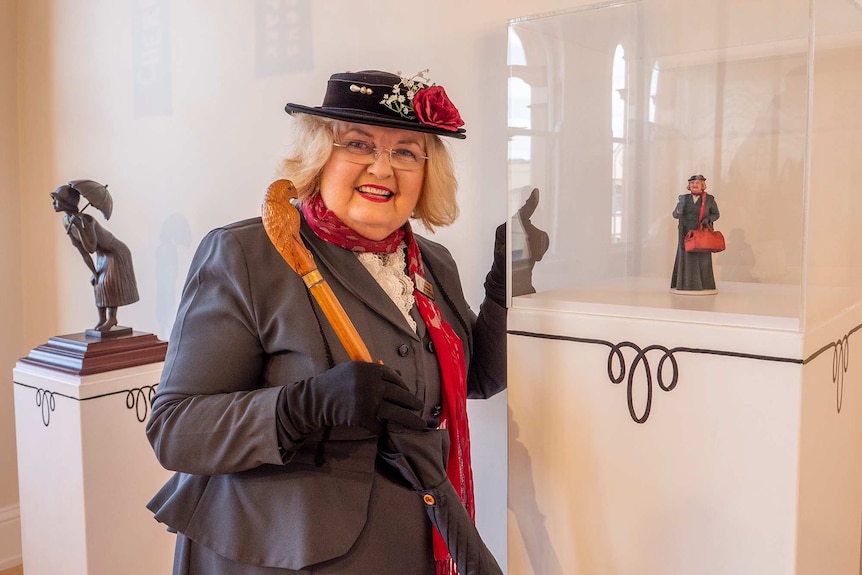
[[692, 271], [273, 431], [113, 276]]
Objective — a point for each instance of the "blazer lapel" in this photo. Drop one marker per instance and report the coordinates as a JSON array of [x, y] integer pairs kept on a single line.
[[343, 266], [444, 275]]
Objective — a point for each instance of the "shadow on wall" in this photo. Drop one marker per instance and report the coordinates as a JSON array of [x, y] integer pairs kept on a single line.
[[523, 505], [175, 233], [765, 175], [741, 254]]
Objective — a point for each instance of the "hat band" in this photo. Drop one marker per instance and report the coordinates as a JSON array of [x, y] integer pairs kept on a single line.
[[361, 97]]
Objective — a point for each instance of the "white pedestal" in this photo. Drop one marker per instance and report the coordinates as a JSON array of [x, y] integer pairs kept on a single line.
[[86, 472], [745, 466]]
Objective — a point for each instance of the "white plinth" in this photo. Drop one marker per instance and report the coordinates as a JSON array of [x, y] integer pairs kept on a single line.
[[86, 471], [745, 466]]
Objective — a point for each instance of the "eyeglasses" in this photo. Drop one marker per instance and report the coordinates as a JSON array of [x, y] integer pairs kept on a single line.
[[360, 152]]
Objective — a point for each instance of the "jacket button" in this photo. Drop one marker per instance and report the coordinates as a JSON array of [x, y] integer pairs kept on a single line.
[[428, 499], [437, 410], [403, 349], [430, 346]]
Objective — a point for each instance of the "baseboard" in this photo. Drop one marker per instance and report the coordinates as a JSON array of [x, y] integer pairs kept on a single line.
[[10, 537]]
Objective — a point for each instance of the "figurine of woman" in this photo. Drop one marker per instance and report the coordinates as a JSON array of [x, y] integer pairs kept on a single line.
[[692, 271], [113, 276]]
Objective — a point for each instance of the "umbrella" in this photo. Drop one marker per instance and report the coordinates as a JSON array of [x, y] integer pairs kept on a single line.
[[96, 194], [414, 455], [281, 222]]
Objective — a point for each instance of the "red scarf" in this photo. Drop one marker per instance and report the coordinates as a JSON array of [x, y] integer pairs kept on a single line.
[[329, 227], [702, 195], [450, 353]]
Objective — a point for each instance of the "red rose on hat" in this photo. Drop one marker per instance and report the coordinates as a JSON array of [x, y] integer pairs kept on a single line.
[[434, 108]]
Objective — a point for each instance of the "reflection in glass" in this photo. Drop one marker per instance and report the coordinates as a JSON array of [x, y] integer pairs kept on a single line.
[[768, 114], [618, 127]]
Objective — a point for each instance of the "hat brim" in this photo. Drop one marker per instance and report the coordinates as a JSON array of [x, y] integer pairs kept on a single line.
[[363, 117]]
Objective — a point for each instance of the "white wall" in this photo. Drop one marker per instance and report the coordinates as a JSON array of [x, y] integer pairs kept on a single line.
[[11, 334], [203, 155]]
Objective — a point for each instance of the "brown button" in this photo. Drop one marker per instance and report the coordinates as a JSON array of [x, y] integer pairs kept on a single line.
[[403, 349], [429, 499], [430, 346]]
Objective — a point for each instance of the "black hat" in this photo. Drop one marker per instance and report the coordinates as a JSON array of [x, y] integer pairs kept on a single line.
[[388, 100], [67, 194], [697, 177]]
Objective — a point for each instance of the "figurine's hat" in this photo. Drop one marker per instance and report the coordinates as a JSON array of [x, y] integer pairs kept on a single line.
[[697, 177]]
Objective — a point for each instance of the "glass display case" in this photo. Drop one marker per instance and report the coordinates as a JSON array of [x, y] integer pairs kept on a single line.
[[613, 106], [696, 431]]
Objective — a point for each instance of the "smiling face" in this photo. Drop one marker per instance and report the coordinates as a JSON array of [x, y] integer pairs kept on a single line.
[[373, 199], [696, 186]]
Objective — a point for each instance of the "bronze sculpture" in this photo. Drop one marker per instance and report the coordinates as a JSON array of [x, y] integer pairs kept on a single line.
[[113, 276]]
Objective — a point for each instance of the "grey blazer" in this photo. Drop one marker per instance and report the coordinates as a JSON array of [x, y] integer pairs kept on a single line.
[[245, 326], [688, 213]]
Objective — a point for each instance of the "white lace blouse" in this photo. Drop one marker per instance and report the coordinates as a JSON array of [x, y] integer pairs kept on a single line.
[[390, 272]]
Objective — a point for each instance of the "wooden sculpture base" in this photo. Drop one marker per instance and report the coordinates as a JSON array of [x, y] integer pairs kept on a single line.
[[83, 354]]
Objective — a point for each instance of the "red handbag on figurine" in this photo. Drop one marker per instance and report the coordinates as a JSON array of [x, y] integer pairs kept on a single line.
[[704, 239]]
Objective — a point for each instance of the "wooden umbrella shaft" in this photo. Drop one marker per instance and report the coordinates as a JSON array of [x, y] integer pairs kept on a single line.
[[336, 315], [282, 222]]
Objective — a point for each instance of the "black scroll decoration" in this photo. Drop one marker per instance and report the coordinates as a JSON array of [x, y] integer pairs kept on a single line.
[[135, 399], [45, 400], [641, 358], [840, 363], [140, 396]]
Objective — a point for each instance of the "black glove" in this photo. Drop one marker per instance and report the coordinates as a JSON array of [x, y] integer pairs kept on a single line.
[[355, 393], [495, 281], [538, 241], [522, 270]]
